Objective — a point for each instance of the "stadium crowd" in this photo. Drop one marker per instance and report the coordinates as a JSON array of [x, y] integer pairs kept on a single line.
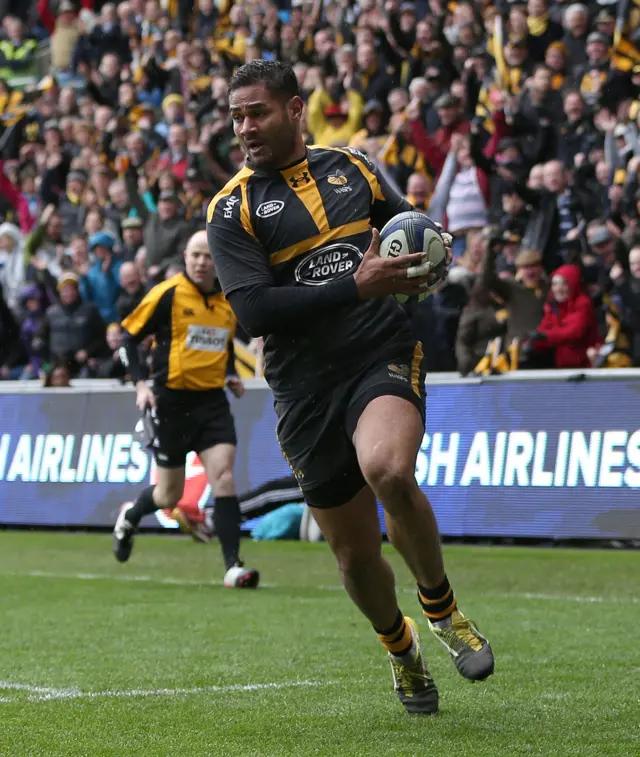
[[515, 124]]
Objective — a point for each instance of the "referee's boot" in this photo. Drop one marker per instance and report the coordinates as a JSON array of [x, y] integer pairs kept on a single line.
[[123, 534], [239, 577], [469, 649], [416, 689]]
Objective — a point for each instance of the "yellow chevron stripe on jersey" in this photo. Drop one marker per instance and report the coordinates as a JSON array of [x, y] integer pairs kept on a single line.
[[300, 179], [340, 232], [239, 180]]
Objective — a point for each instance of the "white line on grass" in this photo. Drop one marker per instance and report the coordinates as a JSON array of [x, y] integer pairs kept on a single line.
[[188, 582], [49, 694]]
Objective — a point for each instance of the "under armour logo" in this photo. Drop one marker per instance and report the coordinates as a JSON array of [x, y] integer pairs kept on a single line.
[[303, 178]]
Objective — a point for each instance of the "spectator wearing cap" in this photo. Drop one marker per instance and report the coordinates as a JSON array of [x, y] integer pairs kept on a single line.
[[568, 327], [599, 83], [603, 254], [72, 329], [515, 212], [524, 295], [332, 123], [133, 290], [435, 148], [132, 236], [63, 27], [101, 285], [72, 211], [373, 136], [506, 260], [165, 236], [173, 112]]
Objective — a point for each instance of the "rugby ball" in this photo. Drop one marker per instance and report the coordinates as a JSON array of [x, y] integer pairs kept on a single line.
[[410, 232]]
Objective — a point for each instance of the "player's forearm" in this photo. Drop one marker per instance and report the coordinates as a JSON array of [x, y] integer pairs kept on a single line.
[[264, 309], [131, 359]]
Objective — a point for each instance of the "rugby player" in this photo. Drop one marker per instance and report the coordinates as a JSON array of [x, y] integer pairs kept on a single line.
[[193, 326], [294, 241]]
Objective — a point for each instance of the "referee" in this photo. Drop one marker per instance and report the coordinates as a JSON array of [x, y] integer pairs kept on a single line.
[[292, 243], [193, 326]]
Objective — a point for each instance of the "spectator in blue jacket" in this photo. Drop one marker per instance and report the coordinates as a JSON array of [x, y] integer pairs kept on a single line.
[[101, 285]]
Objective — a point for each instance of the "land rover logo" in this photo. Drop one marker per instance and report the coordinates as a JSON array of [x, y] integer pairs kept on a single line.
[[268, 209], [328, 264]]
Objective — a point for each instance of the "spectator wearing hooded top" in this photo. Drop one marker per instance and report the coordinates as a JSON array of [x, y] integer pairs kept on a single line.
[[33, 303], [101, 285], [569, 326]]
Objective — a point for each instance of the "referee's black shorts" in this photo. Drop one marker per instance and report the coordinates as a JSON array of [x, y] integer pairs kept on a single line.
[[191, 422], [315, 433]]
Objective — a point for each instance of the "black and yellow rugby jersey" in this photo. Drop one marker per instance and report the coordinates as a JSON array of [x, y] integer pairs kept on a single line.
[[193, 335], [306, 226]]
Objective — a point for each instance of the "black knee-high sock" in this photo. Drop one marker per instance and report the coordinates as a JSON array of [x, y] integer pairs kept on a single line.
[[226, 519], [144, 506]]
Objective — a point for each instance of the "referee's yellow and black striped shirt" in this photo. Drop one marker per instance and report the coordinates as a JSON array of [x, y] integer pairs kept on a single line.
[[305, 226], [193, 334]]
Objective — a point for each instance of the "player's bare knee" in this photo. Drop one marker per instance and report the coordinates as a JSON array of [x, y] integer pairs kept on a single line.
[[223, 482], [391, 478], [167, 496], [356, 561]]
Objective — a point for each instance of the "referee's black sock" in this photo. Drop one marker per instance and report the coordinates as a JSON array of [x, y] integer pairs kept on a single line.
[[144, 506], [226, 519]]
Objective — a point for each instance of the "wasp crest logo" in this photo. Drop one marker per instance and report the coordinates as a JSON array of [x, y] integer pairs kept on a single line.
[[302, 178], [338, 179], [401, 370]]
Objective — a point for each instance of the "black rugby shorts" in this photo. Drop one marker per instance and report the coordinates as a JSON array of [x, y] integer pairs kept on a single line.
[[191, 424], [315, 433]]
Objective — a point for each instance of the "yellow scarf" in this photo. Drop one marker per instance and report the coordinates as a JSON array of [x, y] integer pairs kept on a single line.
[[538, 24]]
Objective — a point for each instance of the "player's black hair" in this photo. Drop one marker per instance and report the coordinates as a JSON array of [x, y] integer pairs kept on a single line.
[[277, 77]]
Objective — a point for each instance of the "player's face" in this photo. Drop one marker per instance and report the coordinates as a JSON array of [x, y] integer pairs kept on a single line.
[[199, 265], [266, 127]]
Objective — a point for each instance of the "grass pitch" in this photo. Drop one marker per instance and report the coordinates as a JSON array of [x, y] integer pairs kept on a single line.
[[155, 658]]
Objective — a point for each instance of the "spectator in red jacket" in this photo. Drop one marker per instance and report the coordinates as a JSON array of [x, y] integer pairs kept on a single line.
[[569, 324]]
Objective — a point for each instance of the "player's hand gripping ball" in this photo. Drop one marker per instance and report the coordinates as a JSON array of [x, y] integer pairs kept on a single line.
[[415, 232]]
